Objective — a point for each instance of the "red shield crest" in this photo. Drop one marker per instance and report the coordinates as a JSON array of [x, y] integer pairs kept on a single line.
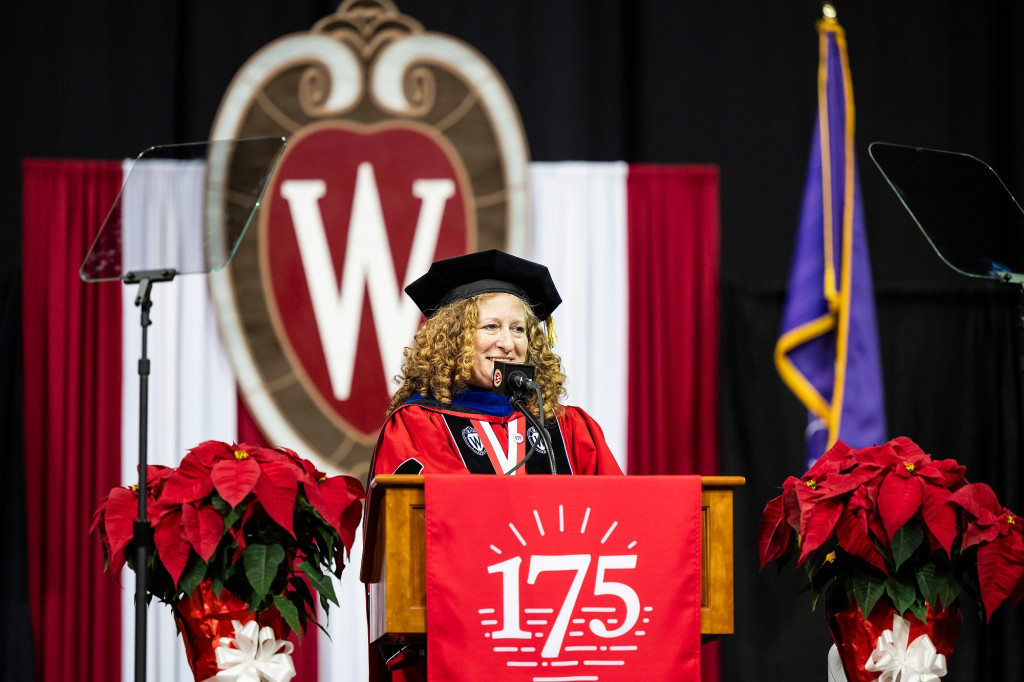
[[351, 218], [403, 147]]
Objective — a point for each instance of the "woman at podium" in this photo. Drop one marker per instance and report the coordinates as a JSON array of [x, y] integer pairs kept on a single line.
[[483, 308]]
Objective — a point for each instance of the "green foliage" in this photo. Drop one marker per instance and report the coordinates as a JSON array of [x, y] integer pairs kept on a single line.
[[905, 542], [261, 563], [867, 589]]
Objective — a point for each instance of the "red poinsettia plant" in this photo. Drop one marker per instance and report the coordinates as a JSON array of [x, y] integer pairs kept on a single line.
[[255, 521], [890, 523]]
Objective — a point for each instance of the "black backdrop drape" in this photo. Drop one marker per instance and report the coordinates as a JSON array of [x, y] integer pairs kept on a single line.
[[642, 81]]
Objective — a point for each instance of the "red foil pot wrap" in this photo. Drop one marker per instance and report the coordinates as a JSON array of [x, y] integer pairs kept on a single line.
[[203, 619], [856, 637]]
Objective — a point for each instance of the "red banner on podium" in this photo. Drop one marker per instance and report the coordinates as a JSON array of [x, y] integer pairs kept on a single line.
[[563, 579]]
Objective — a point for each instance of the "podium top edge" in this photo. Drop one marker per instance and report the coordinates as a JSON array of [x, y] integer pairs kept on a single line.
[[416, 481], [397, 481], [722, 481]]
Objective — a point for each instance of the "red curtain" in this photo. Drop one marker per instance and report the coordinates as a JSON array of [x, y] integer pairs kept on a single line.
[[673, 242], [72, 353], [673, 307]]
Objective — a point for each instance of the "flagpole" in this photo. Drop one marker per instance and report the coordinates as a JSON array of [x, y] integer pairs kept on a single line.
[[827, 350]]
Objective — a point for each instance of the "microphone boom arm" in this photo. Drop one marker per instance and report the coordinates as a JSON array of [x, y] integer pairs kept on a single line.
[[518, 402]]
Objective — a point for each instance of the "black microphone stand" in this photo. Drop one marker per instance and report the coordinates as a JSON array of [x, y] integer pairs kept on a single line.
[[518, 401], [238, 168], [142, 534]]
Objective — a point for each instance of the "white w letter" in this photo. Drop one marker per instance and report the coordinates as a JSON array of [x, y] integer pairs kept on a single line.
[[367, 259]]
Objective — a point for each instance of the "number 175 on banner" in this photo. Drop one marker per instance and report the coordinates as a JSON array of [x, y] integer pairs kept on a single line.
[[562, 584]]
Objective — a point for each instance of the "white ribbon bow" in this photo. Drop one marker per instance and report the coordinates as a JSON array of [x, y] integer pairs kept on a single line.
[[255, 657], [898, 662]]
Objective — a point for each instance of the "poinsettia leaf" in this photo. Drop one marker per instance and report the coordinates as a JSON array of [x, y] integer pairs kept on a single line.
[[300, 586], [1000, 567], [976, 534], [261, 563], [219, 567], [939, 516], [204, 528], [209, 452], [349, 522], [311, 497], [905, 542], [947, 474], [119, 514], [842, 482], [900, 593], [774, 534], [238, 535], [276, 490], [928, 582], [290, 614], [905, 448], [322, 550], [324, 604], [234, 479], [1017, 594], [832, 460], [875, 525], [193, 575], [231, 514], [171, 546], [320, 627], [867, 589], [320, 582], [920, 610], [978, 500], [816, 528], [336, 495], [355, 487], [945, 589], [217, 585], [189, 482], [854, 537], [899, 498]]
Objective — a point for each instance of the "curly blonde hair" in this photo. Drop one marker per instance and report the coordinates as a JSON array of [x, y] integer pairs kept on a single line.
[[439, 363]]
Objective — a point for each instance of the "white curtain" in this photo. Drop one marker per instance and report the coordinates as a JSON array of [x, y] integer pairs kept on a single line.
[[579, 232], [343, 655]]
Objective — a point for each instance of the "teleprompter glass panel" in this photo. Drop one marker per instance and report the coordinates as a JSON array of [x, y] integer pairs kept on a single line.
[[161, 219], [961, 205]]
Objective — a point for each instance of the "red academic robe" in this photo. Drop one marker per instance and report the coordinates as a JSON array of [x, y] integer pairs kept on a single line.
[[422, 438]]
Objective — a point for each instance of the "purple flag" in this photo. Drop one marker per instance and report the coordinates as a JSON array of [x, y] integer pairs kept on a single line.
[[827, 352]]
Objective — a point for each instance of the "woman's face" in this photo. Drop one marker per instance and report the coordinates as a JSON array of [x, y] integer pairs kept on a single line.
[[500, 335]]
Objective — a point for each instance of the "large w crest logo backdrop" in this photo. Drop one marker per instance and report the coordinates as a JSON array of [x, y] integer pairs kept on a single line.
[[404, 146]]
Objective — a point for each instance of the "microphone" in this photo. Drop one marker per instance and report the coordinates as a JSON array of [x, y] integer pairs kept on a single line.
[[513, 378]]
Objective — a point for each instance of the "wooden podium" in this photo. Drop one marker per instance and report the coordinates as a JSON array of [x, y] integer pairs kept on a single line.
[[394, 558]]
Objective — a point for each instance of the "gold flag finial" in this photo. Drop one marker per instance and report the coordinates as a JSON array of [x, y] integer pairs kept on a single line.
[[828, 11]]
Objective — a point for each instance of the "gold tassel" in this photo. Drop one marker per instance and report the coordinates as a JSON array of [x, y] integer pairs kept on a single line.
[[552, 336]]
